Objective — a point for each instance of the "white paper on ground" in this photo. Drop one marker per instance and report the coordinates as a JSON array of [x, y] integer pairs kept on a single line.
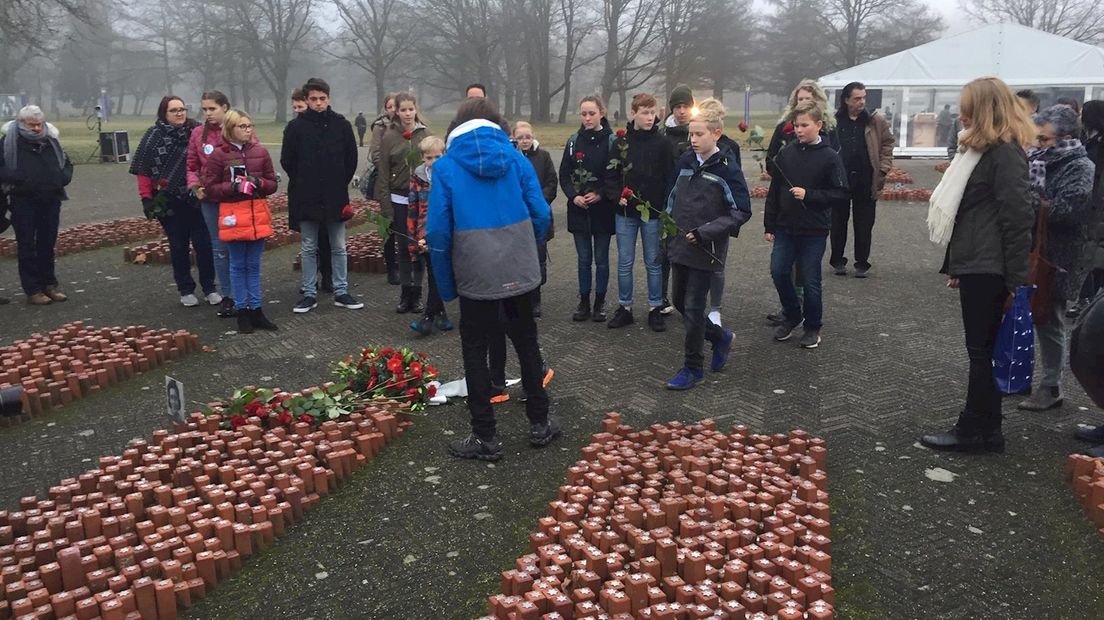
[[459, 389]]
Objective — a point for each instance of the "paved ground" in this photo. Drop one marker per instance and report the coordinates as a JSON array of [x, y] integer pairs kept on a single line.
[[416, 535]]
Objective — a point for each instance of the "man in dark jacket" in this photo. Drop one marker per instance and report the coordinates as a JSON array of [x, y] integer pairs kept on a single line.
[[361, 125], [320, 156], [36, 171], [866, 146]]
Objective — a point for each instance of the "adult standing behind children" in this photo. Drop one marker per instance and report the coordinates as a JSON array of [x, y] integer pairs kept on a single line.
[[160, 163], [319, 154], [399, 155], [486, 203], [378, 128], [643, 157], [546, 173], [709, 203], [866, 146], [809, 182], [591, 189]]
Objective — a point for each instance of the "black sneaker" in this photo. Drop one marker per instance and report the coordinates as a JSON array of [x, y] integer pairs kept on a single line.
[[305, 305], [839, 270], [346, 300], [656, 321], [226, 309], [472, 447], [541, 435], [785, 330], [810, 339], [666, 308], [621, 318], [861, 272], [1093, 434], [776, 319]]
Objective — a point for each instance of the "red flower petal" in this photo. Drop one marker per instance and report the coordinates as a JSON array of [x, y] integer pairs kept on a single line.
[[788, 128], [580, 156]]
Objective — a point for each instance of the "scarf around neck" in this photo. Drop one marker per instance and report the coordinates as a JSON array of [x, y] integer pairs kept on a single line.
[[13, 131], [947, 196], [1038, 160], [161, 156]]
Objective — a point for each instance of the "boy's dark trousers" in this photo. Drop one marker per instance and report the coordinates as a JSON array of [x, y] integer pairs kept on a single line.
[[481, 321], [433, 306], [690, 288]]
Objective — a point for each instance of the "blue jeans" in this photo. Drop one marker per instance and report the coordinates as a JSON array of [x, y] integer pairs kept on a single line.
[[245, 273], [807, 251], [218, 247], [309, 249], [627, 228], [593, 249]]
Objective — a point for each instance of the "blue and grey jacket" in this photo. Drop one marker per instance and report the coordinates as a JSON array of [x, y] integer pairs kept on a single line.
[[486, 211], [711, 199]]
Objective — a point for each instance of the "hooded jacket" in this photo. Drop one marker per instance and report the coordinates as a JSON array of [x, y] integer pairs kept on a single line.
[[319, 155], [486, 211], [546, 174], [712, 200], [819, 170], [652, 169], [594, 147]]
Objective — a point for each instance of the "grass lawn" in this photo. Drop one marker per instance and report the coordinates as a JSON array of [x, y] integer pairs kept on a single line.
[[80, 141]]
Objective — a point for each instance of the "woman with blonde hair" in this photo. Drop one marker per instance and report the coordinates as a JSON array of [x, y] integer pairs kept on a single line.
[[981, 211]]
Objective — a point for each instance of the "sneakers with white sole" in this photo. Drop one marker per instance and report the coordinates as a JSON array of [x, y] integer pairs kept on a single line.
[[189, 301], [214, 298]]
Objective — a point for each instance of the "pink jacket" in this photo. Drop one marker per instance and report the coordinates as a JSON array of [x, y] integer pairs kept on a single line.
[[200, 150]]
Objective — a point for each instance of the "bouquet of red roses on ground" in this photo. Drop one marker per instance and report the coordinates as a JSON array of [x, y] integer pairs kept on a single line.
[[387, 372]]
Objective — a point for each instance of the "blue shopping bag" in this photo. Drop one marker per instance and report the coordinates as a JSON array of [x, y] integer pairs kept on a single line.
[[1014, 351]]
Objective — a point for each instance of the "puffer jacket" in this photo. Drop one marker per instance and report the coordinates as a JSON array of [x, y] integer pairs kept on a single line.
[[651, 170], [591, 150], [485, 205], [992, 232], [258, 163], [712, 200], [204, 140], [1069, 190], [394, 169]]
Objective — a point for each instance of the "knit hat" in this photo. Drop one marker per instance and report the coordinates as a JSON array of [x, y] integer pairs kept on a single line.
[[681, 95]]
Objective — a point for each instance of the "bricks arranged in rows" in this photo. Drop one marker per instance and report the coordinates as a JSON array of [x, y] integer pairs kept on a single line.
[[1087, 475], [76, 360], [158, 251], [681, 522], [365, 254], [160, 526]]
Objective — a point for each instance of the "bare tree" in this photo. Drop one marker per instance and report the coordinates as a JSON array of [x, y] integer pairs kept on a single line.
[[791, 55], [459, 37], [29, 29], [577, 27], [853, 25], [681, 49], [728, 43], [537, 19], [1082, 20], [376, 35], [632, 53], [273, 31]]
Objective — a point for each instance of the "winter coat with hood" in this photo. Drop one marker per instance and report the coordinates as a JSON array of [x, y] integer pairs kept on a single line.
[[1069, 190], [546, 174], [36, 171], [591, 149], [485, 204], [711, 199], [203, 142], [651, 171], [992, 232], [781, 137], [319, 155], [394, 168], [818, 169], [879, 146]]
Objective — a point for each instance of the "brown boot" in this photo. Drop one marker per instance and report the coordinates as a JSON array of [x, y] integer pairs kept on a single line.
[[55, 294], [39, 299]]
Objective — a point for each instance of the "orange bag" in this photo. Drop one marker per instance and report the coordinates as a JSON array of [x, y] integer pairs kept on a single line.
[[245, 220]]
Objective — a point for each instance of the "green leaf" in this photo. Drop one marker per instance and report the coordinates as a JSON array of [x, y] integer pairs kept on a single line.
[[318, 395]]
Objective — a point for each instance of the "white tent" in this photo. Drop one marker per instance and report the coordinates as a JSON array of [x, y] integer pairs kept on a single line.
[[914, 86]]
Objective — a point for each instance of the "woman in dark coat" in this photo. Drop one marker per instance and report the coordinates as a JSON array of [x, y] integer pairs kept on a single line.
[[160, 163], [987, 250], [592, 190], [1092, 120], [1062, 178]]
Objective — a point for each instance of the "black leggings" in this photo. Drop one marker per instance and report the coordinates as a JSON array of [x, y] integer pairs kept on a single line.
[[982, 297]]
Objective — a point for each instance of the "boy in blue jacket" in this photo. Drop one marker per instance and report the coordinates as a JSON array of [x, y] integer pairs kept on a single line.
[[485, 203], [709, 202]]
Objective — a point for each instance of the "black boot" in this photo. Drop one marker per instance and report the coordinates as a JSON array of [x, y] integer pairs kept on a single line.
[[260, 321], [598, 313], [582, 313], [227, 309], [968, 435], [393, 275], [416, 300], [405, 302], [245, 321]]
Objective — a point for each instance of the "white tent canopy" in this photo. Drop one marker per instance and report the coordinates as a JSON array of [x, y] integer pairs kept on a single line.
[[1019, 55]]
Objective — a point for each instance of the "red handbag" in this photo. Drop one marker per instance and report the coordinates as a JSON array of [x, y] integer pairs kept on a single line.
[[1040, 271]]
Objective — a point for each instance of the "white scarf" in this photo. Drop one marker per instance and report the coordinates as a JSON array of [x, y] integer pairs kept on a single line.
[[945, 199]]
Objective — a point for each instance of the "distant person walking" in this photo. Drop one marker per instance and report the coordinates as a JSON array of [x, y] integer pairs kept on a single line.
[[361, 125], [160, 163], [36, 171], [944, 121], [866, 146]]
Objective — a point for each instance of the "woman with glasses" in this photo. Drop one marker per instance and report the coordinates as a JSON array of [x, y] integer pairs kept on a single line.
[[160, 163]]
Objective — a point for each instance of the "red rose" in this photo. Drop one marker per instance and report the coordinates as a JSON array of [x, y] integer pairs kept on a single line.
[[162, 183], [431, 390], [620, 133], [412, 393], [407, 135], [415, 367], [255, 408], [787, 128], [430, 371], [423, 356], [743, 126], [395, 365], [284, 418], [347, 212], [306, 417], [238, 420], [580, 156], [626, 193], [386, 351]]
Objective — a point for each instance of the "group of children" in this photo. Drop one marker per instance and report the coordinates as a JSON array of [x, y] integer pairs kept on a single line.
[[679, 187]]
